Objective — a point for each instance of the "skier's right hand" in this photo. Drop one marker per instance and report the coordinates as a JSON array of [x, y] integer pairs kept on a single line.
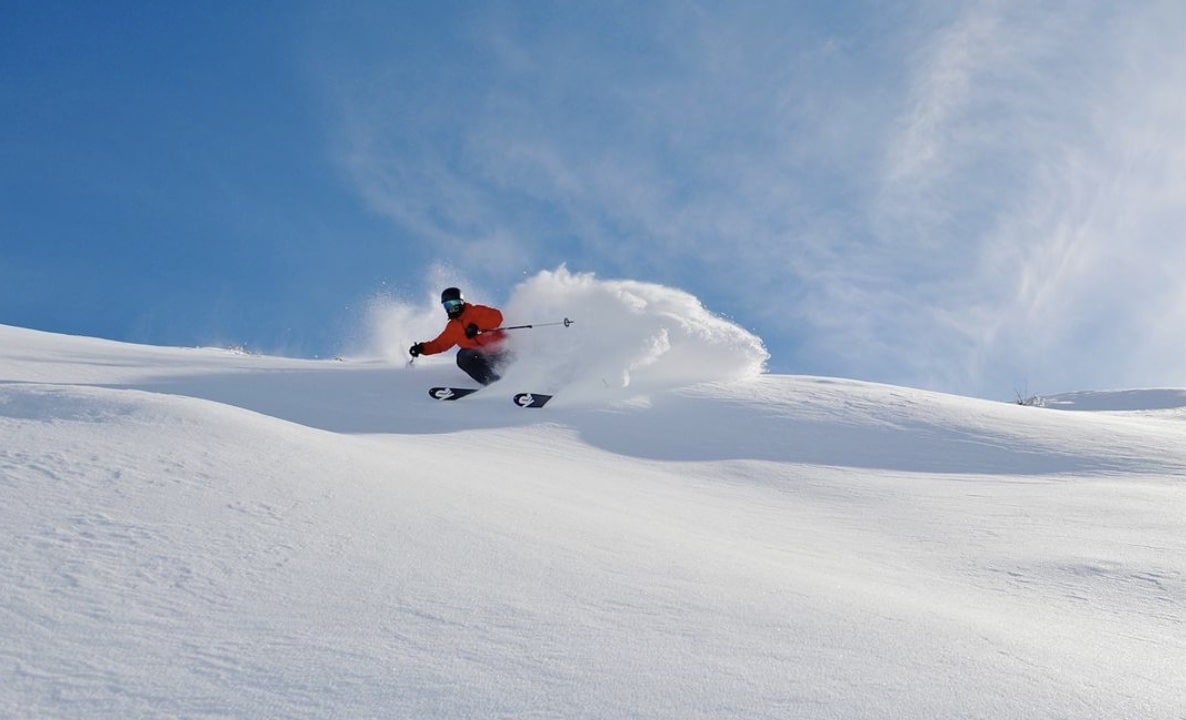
[[416, 350]]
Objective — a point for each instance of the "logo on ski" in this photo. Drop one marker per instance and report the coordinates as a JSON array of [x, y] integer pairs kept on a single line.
[[531, 400], [450, 393]]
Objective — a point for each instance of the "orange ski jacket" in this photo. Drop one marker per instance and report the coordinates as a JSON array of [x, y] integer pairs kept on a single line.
[[486, 318]]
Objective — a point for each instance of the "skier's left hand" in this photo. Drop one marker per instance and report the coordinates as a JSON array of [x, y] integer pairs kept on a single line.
[[471, 330]]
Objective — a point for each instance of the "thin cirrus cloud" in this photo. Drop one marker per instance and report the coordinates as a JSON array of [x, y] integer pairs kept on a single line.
[[966, 198], [1049, 147], [683, 160]]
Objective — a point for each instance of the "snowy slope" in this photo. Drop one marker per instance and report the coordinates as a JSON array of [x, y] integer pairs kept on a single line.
[[195, 532]]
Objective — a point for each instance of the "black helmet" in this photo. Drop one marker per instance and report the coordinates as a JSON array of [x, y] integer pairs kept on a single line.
[[453, 301]]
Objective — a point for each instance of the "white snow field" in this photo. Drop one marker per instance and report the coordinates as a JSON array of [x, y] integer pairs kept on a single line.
[[201, 533]]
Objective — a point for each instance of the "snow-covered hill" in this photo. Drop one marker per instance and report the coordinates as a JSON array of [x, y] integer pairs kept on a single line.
[[203, 533]]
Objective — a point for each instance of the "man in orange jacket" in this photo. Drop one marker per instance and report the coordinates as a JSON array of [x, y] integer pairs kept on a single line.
[[470, 327]]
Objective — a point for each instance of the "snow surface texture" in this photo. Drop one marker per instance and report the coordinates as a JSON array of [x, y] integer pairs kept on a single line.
[[200, 533]]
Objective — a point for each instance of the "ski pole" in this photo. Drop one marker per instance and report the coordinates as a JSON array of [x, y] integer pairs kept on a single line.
[[565, 322]]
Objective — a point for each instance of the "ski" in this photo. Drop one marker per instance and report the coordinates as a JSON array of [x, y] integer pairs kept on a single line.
[[450, 393], [532, 400], [526, 400]]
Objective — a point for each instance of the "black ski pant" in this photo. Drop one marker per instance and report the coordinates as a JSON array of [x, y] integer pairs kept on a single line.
[[482, 367]]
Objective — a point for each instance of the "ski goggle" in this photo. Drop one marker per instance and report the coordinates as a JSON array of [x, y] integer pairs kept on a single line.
[[452, 305]]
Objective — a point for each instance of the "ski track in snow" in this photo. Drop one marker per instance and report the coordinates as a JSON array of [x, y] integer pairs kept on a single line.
[[200, 533]]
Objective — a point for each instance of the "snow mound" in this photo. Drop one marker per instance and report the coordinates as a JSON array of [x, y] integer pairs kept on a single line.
[[196, 533]]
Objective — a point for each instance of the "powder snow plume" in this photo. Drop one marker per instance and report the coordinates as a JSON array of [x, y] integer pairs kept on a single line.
[[625, 335]]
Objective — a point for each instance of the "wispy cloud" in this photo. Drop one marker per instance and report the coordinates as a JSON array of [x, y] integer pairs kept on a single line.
[[962, 197], [1012, 239], [644, 149]]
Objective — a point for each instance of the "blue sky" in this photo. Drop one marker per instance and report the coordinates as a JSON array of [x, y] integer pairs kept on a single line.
[[979, 198]]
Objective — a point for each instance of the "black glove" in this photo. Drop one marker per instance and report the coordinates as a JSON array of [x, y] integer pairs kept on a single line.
[[416, 350], [471, 330]]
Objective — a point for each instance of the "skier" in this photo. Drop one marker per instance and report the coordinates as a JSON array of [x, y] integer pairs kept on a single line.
[[482, 354]]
